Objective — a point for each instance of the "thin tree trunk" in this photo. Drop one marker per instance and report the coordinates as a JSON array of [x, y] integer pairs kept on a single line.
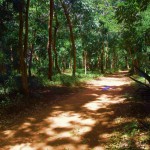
[[30, 60], [63, 65], [83, 60], [127, 63], [26, 29], [113, 59], [23, 67], [107, 63], [133, 61], [31, 54], [117, 61], [98, 62], [49, 45], [136, 60], [111, 63], [54, 44], [71, 36], [85, 67], [102, 60]]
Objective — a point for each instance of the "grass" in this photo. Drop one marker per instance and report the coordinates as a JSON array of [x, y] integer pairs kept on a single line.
[[139, 78], [132, 136], [12, 102], [132, 133], [9, 90], [66, 79], [142, 93]]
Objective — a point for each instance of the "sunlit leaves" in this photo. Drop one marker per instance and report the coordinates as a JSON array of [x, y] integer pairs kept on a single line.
[[128, 13]]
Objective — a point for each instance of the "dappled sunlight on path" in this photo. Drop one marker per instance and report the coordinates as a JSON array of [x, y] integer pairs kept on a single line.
[[84, 120]]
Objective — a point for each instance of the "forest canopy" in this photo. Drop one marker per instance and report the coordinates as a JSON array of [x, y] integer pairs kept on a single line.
[[41, 39]]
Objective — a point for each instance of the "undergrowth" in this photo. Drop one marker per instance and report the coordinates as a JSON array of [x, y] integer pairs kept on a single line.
[[11, 85], [133, 135], [141, 92]]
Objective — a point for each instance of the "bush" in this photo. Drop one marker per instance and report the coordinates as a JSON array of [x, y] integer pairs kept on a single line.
[[67, 80], [36, 82]]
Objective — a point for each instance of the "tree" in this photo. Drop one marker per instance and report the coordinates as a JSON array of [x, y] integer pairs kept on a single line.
[[71, 36], [49, 46], [129, 15], [54, 43], [26, 28], [19, 6]]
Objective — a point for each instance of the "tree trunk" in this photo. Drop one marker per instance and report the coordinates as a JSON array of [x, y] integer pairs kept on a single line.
[[63, 64], [102, 61], [127, 63], [23, 67], [26, 29], [31, 54], [136, 60], [133, 60], [111, 63], [107, 63], [71, 36], [85, 67], [98, 62], [113, 59], [30, 59], [49, 45], [54, 45]]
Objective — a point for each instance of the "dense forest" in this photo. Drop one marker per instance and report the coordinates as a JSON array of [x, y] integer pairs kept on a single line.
[[65, 74], [41, 39]]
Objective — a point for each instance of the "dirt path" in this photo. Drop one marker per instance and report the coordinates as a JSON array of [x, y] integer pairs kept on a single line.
[[81, 121]]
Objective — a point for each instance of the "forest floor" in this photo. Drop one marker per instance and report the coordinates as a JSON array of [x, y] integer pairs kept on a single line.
[[102, 115]]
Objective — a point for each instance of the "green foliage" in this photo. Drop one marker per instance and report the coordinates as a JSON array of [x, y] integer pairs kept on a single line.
[[8, 84], [130, 137], [131, 129], [68, 80], [105, 30]]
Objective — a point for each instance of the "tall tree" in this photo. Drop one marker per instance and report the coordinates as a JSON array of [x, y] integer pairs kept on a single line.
[[129, 15], [23, 67], [26, 28], [71, 35], [31, 53], [54, 43], [49, 46]]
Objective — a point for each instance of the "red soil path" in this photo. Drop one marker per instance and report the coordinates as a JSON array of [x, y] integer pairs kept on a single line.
[[79, 121]]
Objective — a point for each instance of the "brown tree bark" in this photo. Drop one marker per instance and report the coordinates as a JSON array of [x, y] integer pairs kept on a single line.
[[113, 59], [26, 28], [71, 36], [127, 63], [23, 68], [54, 44], [102, 59], [85, 62], [102, 62], [134, 61], [30, 60], [31, 54], [49, 45]]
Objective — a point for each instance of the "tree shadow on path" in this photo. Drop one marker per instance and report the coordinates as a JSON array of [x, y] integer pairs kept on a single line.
[[82, 120]]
